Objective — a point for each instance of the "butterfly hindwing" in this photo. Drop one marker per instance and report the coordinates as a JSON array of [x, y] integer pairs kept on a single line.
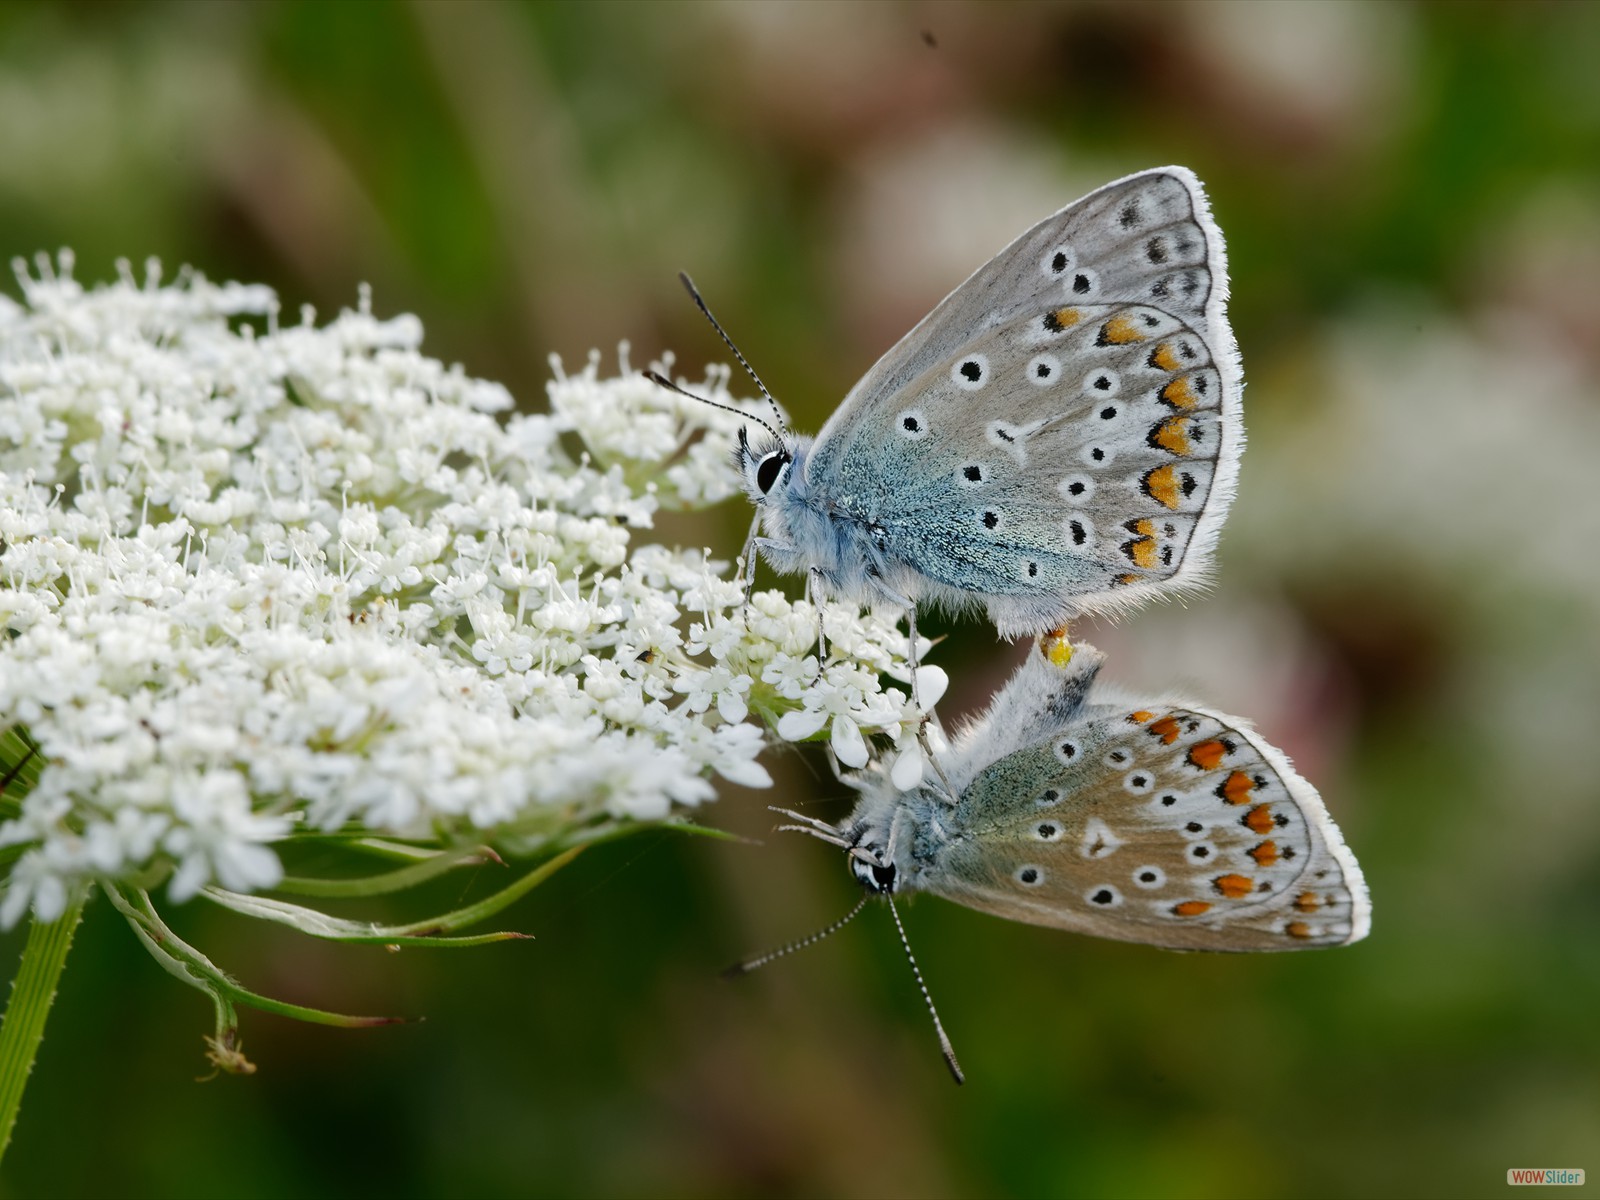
[[1163, 824], [1061, 433]]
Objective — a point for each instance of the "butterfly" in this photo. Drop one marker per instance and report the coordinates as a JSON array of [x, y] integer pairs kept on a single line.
[[1061, 435], [1153, 821]]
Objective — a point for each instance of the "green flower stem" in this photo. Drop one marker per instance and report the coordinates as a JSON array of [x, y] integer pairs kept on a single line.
[[184, 962], [390, 881], [32, 993]]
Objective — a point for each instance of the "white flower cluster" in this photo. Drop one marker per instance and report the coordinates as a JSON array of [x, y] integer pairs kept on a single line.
[[258, 581]]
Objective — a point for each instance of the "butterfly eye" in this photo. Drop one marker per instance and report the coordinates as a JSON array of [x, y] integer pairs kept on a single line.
[[768, 469], [883, 877]]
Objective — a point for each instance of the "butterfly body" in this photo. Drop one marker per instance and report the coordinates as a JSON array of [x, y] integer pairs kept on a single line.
[[1060, 435], [1145, 821]]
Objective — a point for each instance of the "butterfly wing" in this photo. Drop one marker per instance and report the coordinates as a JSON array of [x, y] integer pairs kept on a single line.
[[1157, 823], [1062, 432]]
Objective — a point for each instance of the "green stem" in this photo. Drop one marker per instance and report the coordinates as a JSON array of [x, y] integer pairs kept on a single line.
[[32, 993]]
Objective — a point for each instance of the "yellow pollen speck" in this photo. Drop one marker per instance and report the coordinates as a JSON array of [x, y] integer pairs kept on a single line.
[[1172, 435], [1056, 647], [1119, 331], [1161, 485], [1166, 357]]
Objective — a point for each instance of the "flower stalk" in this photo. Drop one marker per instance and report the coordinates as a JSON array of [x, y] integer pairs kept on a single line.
[[33, 991], [295, 613]]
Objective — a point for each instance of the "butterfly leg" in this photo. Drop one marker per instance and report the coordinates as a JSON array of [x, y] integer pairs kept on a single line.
[[850, 779], [810, 826], [814, 595], [750, 558]]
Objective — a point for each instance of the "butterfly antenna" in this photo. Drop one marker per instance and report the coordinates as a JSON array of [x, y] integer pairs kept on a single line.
[[661, 380], [694, 294], [744, 968], [938, 1026]]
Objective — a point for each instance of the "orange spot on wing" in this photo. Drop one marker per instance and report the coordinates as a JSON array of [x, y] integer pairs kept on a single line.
[[1142, 552], [1237, 788], [1233, 886], [1178, 394], [1172, 435], [1259, 819], [1207, 755], [1265, 854], [1144, 528], [1125, 579], [1297, 929], [1119, 331], [1140, 717], [1161, 485], [1190, 908], [1166, 729], [1166, 358], [1307, 902], [1067, 317]]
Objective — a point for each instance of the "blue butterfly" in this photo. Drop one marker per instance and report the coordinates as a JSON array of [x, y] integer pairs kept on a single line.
[[1061, 435]]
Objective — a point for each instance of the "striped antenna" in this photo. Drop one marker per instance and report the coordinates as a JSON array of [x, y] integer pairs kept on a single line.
[[661, 380], [945, 1047], [744, 968], [694, 294]]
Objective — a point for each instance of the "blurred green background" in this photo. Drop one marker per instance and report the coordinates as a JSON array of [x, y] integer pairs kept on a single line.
[[1409, 598]]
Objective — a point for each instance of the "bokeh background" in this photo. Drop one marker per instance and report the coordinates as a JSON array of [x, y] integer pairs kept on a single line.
[[1409, 595]]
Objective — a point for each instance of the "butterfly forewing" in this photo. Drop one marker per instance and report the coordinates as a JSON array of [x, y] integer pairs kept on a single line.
[[1060, 433], [1167, 825]]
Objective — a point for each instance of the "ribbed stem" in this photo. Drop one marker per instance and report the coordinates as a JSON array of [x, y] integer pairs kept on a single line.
[[32, 993]]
